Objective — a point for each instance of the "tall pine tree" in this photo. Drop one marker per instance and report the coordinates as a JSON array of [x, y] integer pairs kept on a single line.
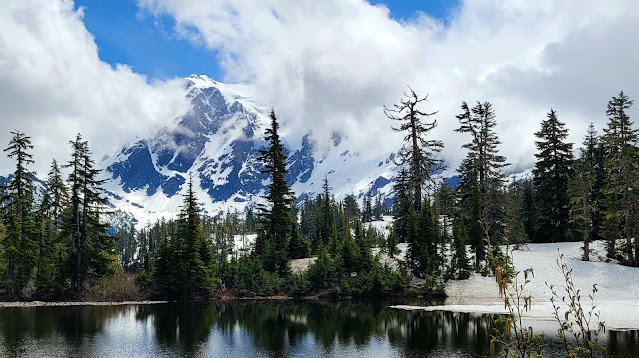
[[483, 165], [273, 237], [551, 174], [584, 191], [91, 251], [17, 205], [622, 175]]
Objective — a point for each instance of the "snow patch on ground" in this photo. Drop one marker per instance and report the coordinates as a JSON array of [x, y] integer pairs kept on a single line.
[[617, 299]]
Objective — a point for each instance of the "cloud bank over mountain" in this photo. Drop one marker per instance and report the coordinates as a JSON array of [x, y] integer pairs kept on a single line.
[[327, 66]]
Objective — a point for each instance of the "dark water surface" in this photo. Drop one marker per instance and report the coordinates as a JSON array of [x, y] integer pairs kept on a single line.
[[255, 329]]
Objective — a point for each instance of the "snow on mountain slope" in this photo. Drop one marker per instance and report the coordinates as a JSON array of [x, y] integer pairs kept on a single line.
[[217, 144]]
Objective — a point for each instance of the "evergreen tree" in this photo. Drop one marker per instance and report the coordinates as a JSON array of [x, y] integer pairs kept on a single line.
[[298, 247], [17, 204], [593, 152], [584, 190], [422, 249], [622, 166], [418, 152], [195, 256], [459, 264], [484, 163], [403, 209], [528, 207], [327, 223], [250, 220], [91, 251], [483, 155], [56, 194], [276, 221], [551, 173], [580, 191], [351, 209], [367, 212], [514, 221], [49, 221], [471, 206]]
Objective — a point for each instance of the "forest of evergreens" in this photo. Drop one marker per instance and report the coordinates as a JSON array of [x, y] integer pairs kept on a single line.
[[56, 247]]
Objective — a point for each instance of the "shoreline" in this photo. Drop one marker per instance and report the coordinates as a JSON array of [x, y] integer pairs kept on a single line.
[[74, 303]]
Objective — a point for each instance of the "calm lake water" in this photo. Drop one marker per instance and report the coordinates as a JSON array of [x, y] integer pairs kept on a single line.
[[254, 329]]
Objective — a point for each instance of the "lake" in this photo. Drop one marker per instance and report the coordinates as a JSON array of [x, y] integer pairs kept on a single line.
[[256, 329]]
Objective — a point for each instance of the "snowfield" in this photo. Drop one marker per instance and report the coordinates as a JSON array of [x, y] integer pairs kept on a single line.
[[617, 298]]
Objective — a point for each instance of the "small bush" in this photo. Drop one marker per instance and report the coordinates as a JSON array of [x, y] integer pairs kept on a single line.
[[115, 288]]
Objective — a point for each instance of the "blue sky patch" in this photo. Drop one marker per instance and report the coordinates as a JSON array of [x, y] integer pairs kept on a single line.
[[151, 47]]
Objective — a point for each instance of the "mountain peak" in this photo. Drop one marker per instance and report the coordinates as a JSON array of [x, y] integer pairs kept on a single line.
[[218, 141]]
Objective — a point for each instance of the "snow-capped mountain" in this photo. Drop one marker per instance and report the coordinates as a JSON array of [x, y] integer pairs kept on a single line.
[[216, 144]]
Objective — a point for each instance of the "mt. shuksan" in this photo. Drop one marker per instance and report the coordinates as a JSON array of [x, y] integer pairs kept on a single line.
[[217, 143]]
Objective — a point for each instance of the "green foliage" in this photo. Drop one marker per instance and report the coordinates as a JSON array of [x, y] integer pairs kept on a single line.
[[20, 244], [622, 174], [514, 219], [471, 217], [580, 339], [184, 265], [459, 265], [298, 247], [275, 220], [422, 253], [551, 173], [517, 340], [581, 190], [92, 252]]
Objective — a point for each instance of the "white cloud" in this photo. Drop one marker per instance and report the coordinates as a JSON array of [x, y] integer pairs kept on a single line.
[[333, 64], [53, 85], [326, 65]]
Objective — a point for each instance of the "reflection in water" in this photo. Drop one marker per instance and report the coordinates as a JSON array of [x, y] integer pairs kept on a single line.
[[252, 328]]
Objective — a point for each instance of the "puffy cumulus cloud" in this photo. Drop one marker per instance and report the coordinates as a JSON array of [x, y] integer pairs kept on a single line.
[[333, 64], [53, 85]]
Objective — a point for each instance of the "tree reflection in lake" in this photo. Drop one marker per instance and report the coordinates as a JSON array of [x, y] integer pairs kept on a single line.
[[253, 328]]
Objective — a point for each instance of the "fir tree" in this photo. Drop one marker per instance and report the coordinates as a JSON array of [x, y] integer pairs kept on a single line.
[[351, 209], [551, 174], [49, 221], [583, 190], [528, 207], [460, 265], [195, 256], [91, 251], [56, 195], [276, 220], [483, 162], [471, 216], [418, 152], [593, 152], [622, 166], [422, 249], [514, 221], [483, 155], [327, 223], [580, 191], [17, 204], [298, 247], [403, 209], [367, 212]]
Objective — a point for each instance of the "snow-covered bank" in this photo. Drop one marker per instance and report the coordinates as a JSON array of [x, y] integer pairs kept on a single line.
[[617, 298]]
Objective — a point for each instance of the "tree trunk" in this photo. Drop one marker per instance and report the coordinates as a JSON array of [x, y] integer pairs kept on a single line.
[[586, 255]]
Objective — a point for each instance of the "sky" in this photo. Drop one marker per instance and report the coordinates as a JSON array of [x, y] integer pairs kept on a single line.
[[113, 70]]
